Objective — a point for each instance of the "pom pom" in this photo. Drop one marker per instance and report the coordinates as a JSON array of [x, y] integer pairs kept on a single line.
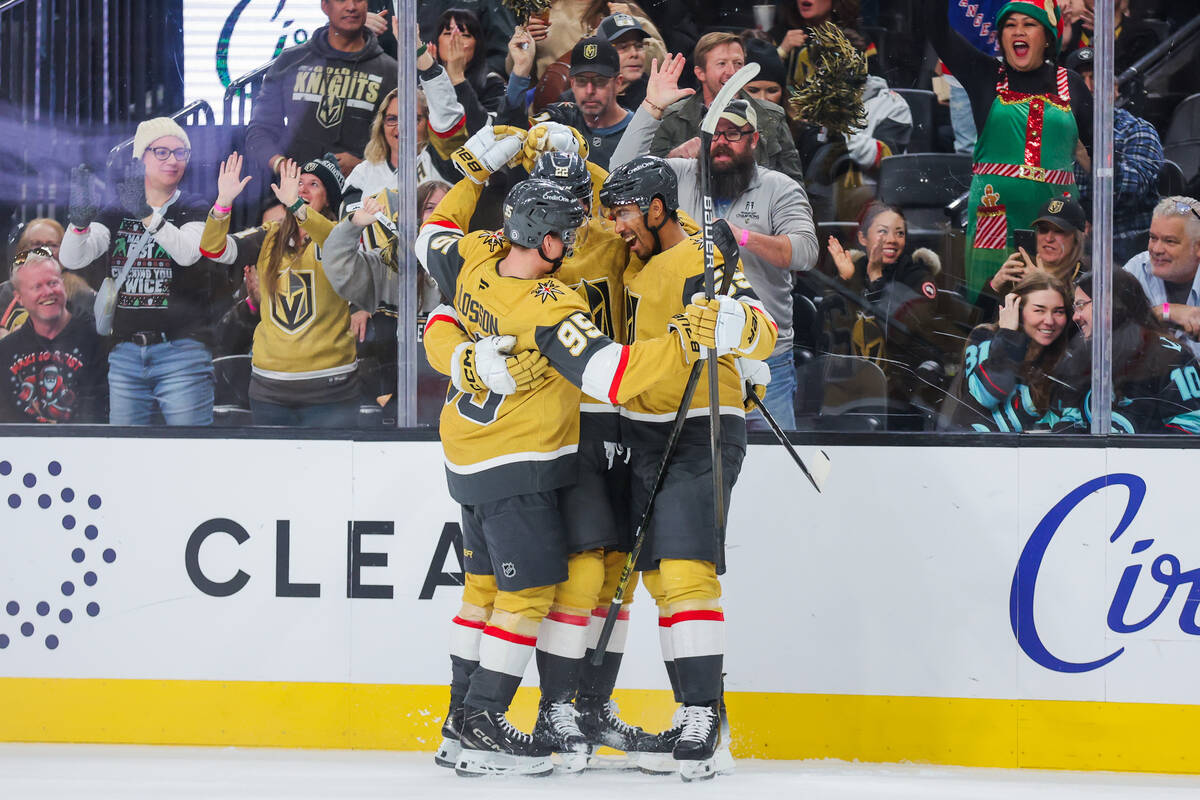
[[832, 97]]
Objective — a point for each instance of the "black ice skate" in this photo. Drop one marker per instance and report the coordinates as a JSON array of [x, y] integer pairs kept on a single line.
[[447, 753], [600, 721], [696, 748], [656, 754], [492, 746], [557, 729]]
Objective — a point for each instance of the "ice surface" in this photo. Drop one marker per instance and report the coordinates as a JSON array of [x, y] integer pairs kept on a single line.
[[107, 772]]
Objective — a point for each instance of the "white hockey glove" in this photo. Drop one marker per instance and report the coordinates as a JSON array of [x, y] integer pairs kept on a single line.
[[486, 366], [724, 323], [489, 150], [689, 345], [755, 373], [547, 137], [616, 453]]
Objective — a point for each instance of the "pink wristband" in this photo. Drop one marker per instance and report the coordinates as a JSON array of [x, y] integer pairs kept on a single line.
[[1166, 310], [744, 238], [222, 209]]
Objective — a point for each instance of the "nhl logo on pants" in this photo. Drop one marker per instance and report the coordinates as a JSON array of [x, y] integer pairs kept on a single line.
[[510, 569]]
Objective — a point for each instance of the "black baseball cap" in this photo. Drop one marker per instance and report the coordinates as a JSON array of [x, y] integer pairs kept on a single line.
[[1064, 214], [595, 55], [1081, 60], [616, 25]]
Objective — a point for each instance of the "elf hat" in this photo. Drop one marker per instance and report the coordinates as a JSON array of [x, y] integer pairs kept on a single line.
[[1044, 11]]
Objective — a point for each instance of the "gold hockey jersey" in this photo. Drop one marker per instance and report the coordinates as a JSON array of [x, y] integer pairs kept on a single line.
[[655, 292], [498, 446]]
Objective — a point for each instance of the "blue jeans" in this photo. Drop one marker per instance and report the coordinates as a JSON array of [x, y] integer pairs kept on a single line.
[[962, 121], [780, 395], [319, 415], [177, 376]]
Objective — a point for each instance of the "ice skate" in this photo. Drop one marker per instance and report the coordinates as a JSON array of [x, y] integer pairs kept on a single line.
[[656, 756], [557, 730], [492, 746], [695, 750], [447, 753], [600, 721]]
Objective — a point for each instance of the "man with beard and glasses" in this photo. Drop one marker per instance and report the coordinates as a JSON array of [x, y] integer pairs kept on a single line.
[[767, 211]]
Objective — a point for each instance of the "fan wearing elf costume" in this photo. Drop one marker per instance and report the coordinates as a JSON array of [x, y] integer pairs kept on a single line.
[[1030, 115]]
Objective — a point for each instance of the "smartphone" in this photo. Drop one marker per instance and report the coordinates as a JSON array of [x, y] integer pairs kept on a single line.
[[1026, 238]]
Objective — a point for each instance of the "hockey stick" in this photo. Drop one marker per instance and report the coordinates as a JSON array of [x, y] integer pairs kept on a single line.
[[639, 535], [821, 466], [708, 127]]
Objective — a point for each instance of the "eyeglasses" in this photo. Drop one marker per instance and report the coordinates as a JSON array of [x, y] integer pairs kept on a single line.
[[1180, 206], [392, 121], [1080, 305], [599, 83], [181, 153], [33, 252], [732, 135]]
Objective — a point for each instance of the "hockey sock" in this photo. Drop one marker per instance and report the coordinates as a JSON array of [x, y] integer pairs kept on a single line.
[[464, 656], [695, 624], [600, 681], [506, 646], [562, 638]]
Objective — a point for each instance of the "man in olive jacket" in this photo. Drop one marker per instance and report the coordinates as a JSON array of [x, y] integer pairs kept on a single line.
[[717, 56]]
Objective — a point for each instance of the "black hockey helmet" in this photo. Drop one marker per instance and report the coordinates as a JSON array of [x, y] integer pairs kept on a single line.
[[534, 208], [638, 182], [567, 170]]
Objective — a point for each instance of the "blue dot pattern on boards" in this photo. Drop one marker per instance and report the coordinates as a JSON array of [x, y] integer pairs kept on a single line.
[[43, 608], [69, 522], [93, 609], [65, 616], [14, 501], [91, 531], [13, 608], [5, 468], [68, 588], [27, 629], [51, 642], [77, 555], [68, 494], [3, 641], [30, 480], [94, 501], [89, 578], [109, 555], [44, 500], [54, 468]]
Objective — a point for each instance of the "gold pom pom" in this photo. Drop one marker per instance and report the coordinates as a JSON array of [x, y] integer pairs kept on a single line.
[[832, 96]]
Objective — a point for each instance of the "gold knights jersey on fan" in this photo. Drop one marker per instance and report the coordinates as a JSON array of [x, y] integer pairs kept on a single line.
[[594, 271], [503, 445], [655, 292]]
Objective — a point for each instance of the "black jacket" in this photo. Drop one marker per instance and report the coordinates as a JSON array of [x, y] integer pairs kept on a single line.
[[315, 100], [54, 380]]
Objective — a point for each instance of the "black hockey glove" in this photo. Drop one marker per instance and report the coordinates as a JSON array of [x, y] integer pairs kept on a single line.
[[132, 191], [83, 204]]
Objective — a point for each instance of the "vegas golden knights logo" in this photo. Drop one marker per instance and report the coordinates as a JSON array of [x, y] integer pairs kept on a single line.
[[599, 299], [331, 110], [1055, 206], [590, 51], [294, 308], [868, 338]]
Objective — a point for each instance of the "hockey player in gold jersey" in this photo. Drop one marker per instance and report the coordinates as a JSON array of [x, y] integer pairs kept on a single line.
[[508, 456], [683, 554]]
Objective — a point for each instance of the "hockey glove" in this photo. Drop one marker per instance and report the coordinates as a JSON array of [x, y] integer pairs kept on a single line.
[[755, 375], [485, 366], [547, 137], [724, 241], [724, 323], [488, 151], [689, 345], [84, 204], [132, 192]]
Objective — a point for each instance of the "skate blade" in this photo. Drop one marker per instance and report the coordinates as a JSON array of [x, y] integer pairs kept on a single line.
[[614, 760], [447, 755], [698, 770], [567, 763], [724, 762], [656, 763], [476, 763]]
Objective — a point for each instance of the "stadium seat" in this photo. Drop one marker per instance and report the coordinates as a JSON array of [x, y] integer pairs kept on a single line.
[[231, 392], [1186, 155], [922, 103], [1170, 179], [923, 184]]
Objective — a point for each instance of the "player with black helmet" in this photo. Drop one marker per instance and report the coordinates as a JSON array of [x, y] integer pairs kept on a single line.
[[509, 456], [683, 554]]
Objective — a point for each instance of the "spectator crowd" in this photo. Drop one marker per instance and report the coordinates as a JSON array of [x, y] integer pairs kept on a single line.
[[959, 301]]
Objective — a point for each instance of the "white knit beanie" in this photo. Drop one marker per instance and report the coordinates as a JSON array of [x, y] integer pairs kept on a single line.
[[152, 129]]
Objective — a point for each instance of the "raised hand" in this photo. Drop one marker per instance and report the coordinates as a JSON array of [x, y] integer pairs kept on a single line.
[[662, 86], [287, 191], [364, 215], [83, 204], [454, 56], [522, 50], [1010, 312], [793, 39], [132, 192], [376, 22], [230, 182], [841, 259]]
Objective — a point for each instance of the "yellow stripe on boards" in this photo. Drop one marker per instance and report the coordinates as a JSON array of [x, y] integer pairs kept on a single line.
[[1040, 734]]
